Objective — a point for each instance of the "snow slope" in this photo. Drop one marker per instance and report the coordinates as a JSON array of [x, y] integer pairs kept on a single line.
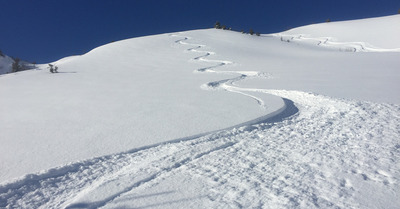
[[112, 99], [354, 35], [134, 124], [338, 153]]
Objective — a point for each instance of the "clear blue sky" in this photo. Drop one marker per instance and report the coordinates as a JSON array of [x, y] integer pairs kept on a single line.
[[47, 30]]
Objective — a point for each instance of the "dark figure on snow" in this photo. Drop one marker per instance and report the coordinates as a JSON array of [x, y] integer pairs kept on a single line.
[[53, 69]]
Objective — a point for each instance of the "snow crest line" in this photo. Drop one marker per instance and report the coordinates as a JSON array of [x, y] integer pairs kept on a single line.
[[226, 84]]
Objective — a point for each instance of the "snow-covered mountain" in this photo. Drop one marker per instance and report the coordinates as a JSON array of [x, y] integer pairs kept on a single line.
[[209, 118], [5, 64]]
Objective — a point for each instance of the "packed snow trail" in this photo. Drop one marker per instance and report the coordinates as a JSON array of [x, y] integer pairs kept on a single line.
[[319, 152]]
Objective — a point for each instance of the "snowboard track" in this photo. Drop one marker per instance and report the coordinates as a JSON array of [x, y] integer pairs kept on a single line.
[[310, 155]]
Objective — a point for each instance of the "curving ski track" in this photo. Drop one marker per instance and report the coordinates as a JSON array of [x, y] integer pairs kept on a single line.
[[322, 153], [226, 84], [328, 43]]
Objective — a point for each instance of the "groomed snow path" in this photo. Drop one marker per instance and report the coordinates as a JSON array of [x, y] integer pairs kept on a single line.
[[330, 154]]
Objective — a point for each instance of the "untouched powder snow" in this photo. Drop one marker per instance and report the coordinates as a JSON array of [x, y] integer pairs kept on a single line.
[[209, 119]]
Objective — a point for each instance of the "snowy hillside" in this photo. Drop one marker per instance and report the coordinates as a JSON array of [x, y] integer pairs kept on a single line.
[[306, 118], [351, 35]]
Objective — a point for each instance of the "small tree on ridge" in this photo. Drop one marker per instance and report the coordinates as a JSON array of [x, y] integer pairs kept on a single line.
[[251, 31], [217, 25], [16, 65]]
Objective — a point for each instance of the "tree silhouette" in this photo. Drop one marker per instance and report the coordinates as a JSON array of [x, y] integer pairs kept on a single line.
[[16, 65], [217, 25], [251, 31]]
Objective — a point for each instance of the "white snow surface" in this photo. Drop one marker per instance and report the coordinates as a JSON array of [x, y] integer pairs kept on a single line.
[[355, 35], [210, 119], [118, 97]]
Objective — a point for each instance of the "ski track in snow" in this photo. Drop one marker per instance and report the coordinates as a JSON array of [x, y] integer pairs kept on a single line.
[[329, 43], [227, 84], [315, 154]]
